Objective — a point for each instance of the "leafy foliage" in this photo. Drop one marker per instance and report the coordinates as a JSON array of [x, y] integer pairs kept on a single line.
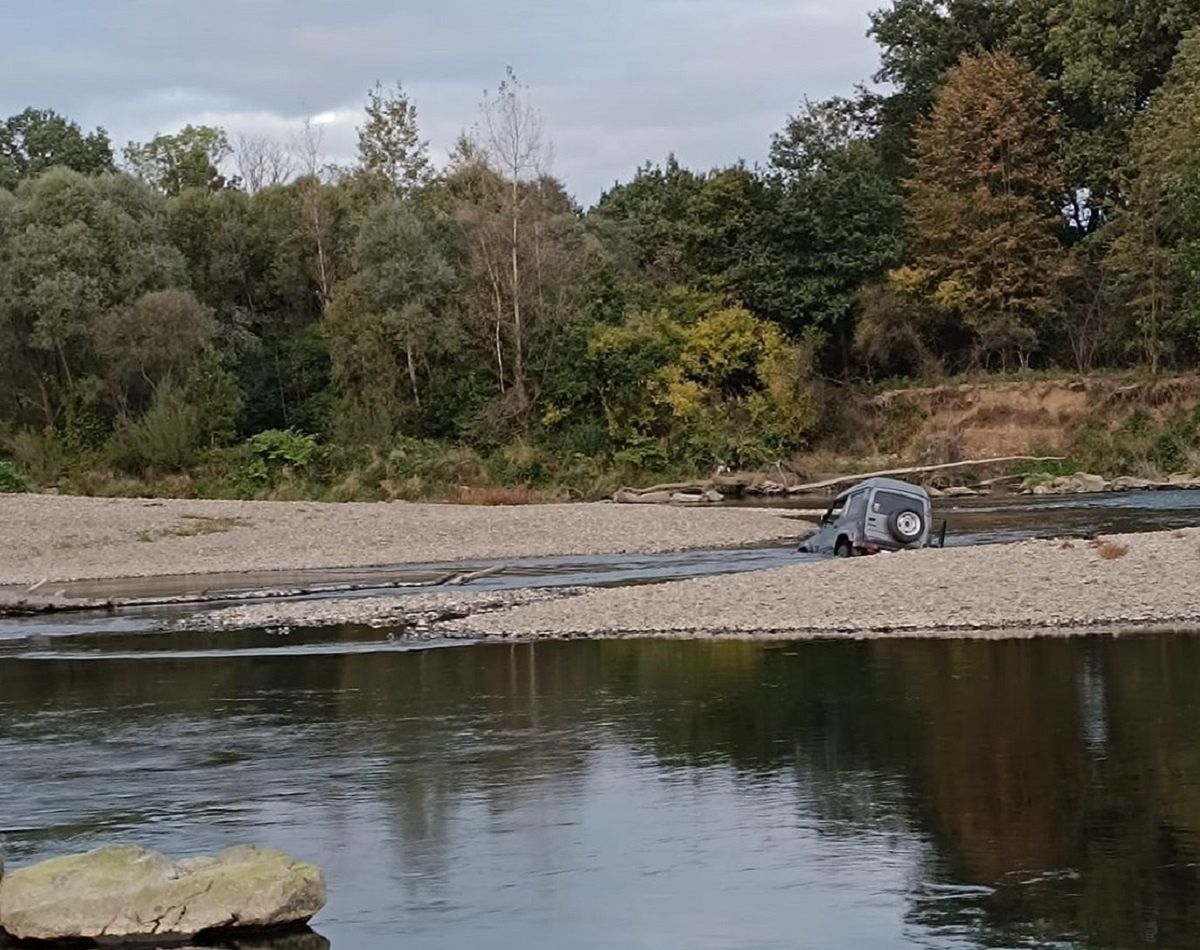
[[983, 202], [11, 479], [721, 387], [36, 140], [190, 158], [389, 142], [1023, 190], [1155, 248]]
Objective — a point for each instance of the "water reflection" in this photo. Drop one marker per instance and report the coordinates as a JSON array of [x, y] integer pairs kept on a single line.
[[302, 940], [655, 794], [295, 941]]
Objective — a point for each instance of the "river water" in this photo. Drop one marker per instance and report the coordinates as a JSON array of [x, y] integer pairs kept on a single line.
[[642, 794]]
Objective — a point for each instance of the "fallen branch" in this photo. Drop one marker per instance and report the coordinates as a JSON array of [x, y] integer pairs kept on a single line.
[[457, 580], [916, 470]]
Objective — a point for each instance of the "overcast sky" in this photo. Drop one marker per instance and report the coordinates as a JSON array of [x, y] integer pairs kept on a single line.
[[619, 81]]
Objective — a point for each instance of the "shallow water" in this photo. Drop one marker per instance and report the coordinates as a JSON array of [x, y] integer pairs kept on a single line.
[[640, 794]]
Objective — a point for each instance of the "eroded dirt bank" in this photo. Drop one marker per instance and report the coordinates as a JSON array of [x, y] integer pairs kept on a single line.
[[1127, 580], [1003, 418], [62, 538]]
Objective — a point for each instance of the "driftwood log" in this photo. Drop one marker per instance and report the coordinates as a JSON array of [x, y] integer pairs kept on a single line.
[[715, 488], [917, 470]]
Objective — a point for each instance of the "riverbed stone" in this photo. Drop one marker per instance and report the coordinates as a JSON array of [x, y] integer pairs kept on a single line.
[[128, 893], [1131, 483], [1083, 483]]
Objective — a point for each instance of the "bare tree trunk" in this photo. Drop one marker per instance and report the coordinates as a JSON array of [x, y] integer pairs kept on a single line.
[[62, 356], [282, 392], [311, 205], [519, 389], [498, 307], [412, 372], [47, 408]]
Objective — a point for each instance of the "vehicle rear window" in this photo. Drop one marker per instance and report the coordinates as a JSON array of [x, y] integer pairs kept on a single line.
[[889, 502]]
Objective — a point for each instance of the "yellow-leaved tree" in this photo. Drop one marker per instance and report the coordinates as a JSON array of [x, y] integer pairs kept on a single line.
[[986, 201]]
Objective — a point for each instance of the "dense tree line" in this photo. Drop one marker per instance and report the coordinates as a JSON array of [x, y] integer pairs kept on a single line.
[[1020, 189]]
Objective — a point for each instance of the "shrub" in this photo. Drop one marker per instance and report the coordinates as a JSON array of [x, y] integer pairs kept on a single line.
[[1138, 445], [644, 453], [518, 463], [435, 463], [11, 479], [40, 456], [164, 439], [279, 448]]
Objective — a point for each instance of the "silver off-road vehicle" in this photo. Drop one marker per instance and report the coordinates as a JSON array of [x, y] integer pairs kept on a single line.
[[880, 514]]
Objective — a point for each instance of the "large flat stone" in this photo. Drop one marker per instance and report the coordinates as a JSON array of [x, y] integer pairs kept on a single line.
[[127, 893]]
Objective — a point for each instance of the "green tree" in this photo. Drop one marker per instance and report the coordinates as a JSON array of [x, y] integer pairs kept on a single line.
[[156, 342], [74, 247], [250, 260], [37, 139], [1155, 249], [985, 203], [920, 41], [389, 141], [189, 158], [389, 320], [836, 220], [651, 212], [1103, 60], [521, 239], [725, 224]]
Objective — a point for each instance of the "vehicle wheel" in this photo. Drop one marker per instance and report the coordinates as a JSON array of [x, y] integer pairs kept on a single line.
[[843, 549], [906, 526]]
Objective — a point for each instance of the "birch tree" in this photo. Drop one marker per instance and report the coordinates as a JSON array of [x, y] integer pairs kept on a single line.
[[511, 142], [262, 163]]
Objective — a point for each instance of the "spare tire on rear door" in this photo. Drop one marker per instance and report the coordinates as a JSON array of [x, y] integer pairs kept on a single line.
[[906, 525]]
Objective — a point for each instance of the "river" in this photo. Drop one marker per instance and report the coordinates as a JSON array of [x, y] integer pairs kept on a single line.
[[644, 794]]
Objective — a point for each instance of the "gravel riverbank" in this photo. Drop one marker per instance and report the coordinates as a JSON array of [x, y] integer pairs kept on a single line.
[[407, 615], [1129, 580], [64, 538]]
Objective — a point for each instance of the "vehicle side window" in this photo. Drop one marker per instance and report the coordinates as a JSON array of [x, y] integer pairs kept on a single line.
[[856, 506], [835, 511], [887, 503]]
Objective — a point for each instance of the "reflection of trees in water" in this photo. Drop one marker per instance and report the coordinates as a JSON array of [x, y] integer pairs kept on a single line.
[[465, 730], [1058, 781]]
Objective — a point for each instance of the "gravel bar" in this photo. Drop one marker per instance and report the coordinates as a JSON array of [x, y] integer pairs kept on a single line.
[[66, 538], [1124, 581], [408, 614]]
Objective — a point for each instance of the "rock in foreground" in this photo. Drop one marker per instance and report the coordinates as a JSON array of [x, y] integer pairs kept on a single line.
[[129, 893]]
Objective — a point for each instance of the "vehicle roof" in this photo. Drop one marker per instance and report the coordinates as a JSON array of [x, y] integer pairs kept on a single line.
[[891, 484]]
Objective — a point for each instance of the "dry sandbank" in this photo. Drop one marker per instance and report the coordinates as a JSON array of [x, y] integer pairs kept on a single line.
[[64, 538]]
